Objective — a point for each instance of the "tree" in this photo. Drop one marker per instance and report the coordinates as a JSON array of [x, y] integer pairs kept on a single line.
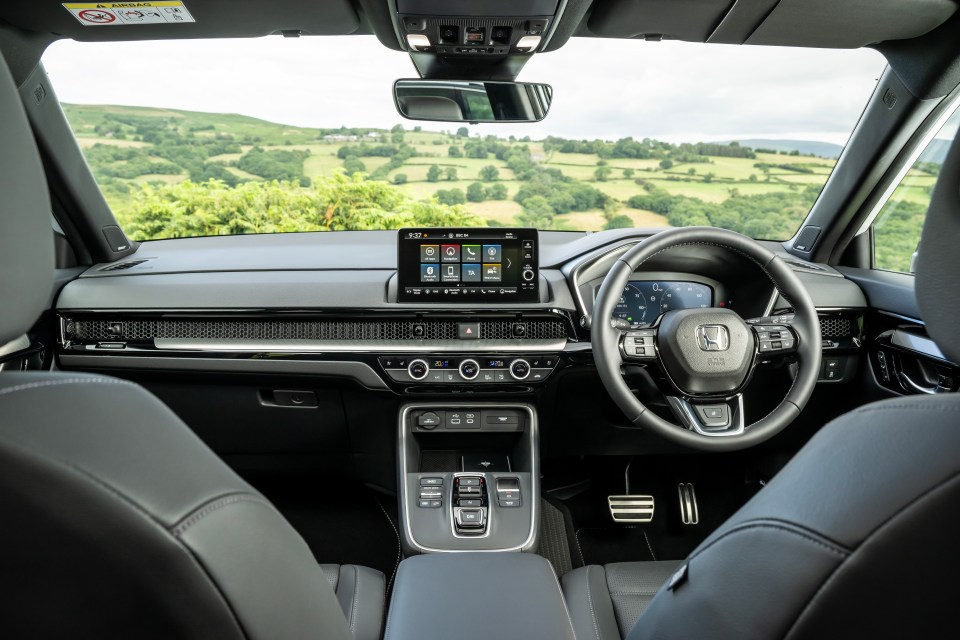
[[692, 171], [463, 132], [497, 191], [476, 192], [602, 172], [666, 164], [451, 196], [450, 173], [489, 173], [628, 173], [396, 134], [708, 177], [619, 222], [353, 165], [433, 173], [455, 151], [399, 178], [537, 213]]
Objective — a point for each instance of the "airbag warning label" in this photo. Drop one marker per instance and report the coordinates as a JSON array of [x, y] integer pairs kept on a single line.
[[106, 14]]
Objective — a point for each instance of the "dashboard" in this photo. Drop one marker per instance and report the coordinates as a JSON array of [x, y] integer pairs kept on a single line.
[[343, 304]]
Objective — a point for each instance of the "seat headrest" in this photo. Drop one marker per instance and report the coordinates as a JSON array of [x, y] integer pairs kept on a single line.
[[433, 108], [26, 233], [938, 260]]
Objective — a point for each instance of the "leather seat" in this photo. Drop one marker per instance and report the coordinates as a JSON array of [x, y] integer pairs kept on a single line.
[[855, 537], [117, 521]]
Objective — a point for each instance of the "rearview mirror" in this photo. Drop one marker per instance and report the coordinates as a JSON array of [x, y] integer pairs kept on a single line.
[[472, 101]]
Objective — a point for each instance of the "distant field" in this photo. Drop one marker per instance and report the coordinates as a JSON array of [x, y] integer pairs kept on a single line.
[[301, 152]]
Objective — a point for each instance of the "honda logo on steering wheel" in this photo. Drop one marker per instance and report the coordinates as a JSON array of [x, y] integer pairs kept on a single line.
[[713, 337]]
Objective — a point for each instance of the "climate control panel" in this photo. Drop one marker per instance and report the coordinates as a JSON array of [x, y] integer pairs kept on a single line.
[[469, 369]]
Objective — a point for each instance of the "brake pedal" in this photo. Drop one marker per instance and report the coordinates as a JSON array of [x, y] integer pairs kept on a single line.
[[689, 512], [631, 508]]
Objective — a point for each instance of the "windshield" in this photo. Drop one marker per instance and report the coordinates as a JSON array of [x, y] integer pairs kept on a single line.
[[193, 138]]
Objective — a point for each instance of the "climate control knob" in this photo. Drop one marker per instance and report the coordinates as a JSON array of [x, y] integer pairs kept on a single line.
[[469, 369], [418, 369], [519, 369]]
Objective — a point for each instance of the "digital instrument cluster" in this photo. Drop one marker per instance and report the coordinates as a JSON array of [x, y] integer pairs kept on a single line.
[[643, 301]]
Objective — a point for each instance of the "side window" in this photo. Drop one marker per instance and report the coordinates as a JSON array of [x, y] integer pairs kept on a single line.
[[896, 230]]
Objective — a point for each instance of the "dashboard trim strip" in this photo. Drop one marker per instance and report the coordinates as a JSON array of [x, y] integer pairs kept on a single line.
[[359, 346]]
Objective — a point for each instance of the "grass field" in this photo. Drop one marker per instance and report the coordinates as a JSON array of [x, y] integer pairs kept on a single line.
[[714, 181]]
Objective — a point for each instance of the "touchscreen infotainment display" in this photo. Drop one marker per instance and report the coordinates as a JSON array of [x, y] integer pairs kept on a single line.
[[467, 265]]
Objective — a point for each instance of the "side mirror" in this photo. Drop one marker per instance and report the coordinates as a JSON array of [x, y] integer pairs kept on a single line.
[[472, 101]]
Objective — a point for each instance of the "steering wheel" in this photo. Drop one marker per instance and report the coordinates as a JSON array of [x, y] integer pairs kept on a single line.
[[708, 356]]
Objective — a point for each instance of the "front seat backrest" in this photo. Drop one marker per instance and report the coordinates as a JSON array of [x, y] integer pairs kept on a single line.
[[115, 520]]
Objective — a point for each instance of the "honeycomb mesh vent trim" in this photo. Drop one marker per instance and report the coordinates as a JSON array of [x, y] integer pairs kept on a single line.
[[318, 330], [835, 327]]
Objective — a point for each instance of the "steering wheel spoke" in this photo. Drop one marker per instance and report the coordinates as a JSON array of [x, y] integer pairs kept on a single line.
[[639, 345], [776, 340], [716, 417]]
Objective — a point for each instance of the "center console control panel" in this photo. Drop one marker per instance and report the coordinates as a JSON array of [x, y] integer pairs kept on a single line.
[[469, 369], [468, 477]]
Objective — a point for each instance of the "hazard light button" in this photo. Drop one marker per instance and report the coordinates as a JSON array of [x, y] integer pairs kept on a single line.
[[468, 330]]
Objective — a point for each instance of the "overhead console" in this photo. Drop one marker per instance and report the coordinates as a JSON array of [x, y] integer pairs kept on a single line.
[[485, 28]]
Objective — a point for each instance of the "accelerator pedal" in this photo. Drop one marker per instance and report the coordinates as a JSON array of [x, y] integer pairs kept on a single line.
[[689, 512], [631, 508]]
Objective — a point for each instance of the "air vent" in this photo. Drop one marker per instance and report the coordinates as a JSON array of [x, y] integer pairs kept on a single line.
[[123, 266], [835, 327], [320, 330]]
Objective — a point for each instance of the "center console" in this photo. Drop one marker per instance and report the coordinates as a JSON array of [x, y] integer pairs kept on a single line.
[[468, 477]]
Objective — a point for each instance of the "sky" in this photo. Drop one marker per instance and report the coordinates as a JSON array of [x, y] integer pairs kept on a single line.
[[610, 89]]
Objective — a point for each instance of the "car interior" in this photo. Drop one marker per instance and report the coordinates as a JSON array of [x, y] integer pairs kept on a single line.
[[450, 431]]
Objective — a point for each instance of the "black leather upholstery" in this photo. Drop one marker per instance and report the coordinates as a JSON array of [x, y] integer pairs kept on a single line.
[[360, 592], [117, 521], [477, 596], [938, 261], [606, 602], [124, 524], [866, 508], [26, 233]]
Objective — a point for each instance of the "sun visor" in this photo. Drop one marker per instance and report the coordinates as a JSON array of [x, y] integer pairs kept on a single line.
[[104, 21], [829, 24]]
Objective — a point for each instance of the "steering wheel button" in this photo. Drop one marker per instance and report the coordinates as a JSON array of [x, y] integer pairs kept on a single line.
[[714, 415]]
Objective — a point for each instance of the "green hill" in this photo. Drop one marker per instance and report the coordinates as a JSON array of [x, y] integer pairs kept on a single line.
[[550, 183]]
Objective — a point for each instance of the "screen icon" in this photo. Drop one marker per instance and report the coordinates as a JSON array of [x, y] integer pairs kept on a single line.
[[491, 272], [472, 253], [429, 253], [429, 273], [491, 253], [450, 253], [450, 272], [472, 272]]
